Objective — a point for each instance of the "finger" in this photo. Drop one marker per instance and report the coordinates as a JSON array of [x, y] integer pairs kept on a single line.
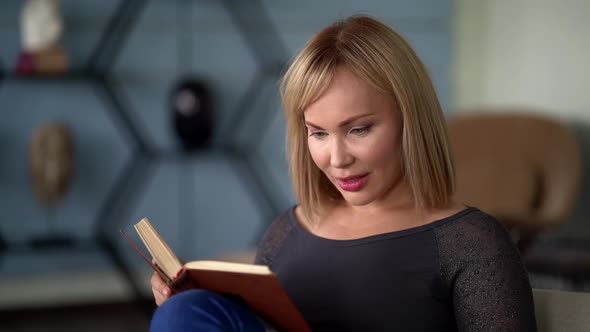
[[158, 297], [158, 285], [166, 291], [156, 294], [157, 281], [159, 300]]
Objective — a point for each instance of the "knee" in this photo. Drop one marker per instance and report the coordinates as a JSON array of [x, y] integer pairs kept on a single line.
[[182, 311], [201, 310], [184, 302]]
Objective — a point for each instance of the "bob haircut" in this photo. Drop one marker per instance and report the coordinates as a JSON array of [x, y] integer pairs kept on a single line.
[[380, 56]]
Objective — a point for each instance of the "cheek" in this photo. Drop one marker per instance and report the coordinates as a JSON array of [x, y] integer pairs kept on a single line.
[[318, 154], [383, 153]]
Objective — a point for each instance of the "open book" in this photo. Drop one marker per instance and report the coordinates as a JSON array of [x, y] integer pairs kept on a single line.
[[255, 284]]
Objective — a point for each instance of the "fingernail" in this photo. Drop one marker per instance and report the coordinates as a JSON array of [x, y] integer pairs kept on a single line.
[[165, 291]]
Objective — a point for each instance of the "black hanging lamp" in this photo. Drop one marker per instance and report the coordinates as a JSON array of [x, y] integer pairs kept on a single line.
[[192, 113], [190, 98]]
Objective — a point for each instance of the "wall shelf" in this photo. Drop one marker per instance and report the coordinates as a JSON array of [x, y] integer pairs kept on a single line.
[[130, 182]]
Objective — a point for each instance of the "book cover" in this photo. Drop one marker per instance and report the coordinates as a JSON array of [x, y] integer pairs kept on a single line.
[[256, 285]]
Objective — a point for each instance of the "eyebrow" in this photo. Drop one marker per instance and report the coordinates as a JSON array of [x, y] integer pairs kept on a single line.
[[343, 123]]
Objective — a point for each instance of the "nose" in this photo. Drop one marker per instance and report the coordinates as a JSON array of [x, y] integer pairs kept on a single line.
[[340, 157]]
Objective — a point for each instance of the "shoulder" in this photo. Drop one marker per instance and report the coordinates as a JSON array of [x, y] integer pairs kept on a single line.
[[472, 225], [281, 222], [473, 238], [482, 267], [273, 237]]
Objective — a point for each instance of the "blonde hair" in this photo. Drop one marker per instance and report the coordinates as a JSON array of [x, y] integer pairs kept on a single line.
[[374, 52]]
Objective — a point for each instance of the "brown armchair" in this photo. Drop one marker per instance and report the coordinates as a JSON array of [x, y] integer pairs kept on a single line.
[[525, 169]]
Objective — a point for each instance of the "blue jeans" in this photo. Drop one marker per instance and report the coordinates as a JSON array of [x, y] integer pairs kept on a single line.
[[201, 310]]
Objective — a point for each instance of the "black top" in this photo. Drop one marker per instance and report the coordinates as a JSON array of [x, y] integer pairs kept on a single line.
[[458, 273]]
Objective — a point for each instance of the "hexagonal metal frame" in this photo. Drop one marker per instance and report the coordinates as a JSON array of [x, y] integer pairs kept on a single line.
[[97, 73], [139, 168]]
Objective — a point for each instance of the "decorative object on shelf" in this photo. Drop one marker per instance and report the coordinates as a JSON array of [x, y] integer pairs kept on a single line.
[[3, 244], [51, 156], [42, 28], [51, 164], [192, 113]]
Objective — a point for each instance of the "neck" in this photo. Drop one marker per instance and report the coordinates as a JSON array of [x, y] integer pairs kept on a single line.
[[397, 199]]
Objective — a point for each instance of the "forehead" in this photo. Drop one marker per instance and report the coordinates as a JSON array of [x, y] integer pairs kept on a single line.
[[348, 95]]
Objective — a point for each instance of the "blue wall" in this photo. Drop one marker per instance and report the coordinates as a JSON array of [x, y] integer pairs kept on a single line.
[[204, 204]]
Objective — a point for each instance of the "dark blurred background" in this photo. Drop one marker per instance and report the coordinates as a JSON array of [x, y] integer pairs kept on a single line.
[[171, 112]]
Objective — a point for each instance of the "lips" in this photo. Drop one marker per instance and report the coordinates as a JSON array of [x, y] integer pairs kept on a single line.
[[353, 183]]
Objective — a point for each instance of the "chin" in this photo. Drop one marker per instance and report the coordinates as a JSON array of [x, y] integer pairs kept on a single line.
[[357, 199]]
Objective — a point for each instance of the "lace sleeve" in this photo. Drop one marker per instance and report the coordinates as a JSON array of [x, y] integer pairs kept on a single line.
[[482, 267], [272, 240]]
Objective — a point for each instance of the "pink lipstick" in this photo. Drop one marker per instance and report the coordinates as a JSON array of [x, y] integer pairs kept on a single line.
[[353, 183]]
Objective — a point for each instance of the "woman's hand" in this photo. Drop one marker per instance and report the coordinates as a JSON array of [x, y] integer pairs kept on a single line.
[[161, 291]]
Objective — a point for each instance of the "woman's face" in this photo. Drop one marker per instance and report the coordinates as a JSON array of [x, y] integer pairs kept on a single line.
[[354, 137]]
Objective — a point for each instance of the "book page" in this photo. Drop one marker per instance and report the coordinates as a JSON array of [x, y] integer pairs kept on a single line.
[[158, 248], [228, 267]]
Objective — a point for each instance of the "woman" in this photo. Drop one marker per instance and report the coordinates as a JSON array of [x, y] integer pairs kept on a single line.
[[376, 242]]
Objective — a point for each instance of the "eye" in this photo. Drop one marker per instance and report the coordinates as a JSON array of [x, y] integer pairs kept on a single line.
[[360, 131], [318, 134]]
